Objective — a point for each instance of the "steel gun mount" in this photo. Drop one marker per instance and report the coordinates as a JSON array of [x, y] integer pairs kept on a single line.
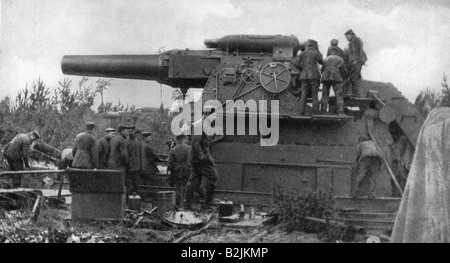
[[312, 150], [236, 60]]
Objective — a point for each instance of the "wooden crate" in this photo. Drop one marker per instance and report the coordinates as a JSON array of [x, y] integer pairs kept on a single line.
[[97, 194]]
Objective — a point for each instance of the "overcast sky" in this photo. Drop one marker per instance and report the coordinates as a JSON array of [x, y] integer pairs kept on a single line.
[[406, 41]]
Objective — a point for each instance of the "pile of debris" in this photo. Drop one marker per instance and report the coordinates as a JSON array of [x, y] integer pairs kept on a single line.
[[19, 227], [60, 236]]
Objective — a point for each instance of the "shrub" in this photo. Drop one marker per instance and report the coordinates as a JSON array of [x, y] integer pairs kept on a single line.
[[295, 206], [60, 116]]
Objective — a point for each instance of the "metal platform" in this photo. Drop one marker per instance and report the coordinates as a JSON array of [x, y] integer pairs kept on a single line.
[[321, 118], [265, 202], [369, 221]]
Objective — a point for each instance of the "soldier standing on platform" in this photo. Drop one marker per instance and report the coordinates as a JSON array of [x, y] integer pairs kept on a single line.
[[85, 150], [332, 71], [356, 59], [334, 46], [118, 158], [178, 168], [307, 63], [104, 149]]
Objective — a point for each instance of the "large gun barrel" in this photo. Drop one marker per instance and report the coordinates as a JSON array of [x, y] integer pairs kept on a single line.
[[147, 67]]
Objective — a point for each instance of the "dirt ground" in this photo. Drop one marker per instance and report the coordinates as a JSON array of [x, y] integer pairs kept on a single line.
[[53, 226]]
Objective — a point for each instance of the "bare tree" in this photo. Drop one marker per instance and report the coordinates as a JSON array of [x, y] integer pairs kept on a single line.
[[445, 91], [429, 99], [102, 85]]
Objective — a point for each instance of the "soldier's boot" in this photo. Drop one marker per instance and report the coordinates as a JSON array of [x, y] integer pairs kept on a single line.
[[356, 89], [315, 108], [209, 193], [340, 108], [373, 185], [181, 193], [188, 197], [352, 193], [355, 192], [346, 88], [201, 194], [323, 107]]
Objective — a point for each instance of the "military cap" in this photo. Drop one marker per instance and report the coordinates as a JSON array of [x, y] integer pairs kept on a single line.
[[301, 47], [36, 134], [121, 127], [312, 42], [110, 130], [334, 49], [132, 127], [349, 32], [146, 134], [90, 124], [334, 42]]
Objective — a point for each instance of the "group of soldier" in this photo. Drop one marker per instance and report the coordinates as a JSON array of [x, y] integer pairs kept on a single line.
[[190, 162], [341, 70], [126, 149]]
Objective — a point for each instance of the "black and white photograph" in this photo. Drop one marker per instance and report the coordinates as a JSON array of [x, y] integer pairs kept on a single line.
[[236, 122]]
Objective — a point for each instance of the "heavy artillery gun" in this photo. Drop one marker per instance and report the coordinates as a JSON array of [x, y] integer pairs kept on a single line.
[[313, 151]]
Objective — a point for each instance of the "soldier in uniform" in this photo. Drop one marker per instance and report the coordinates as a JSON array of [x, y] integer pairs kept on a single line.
[[295, 86], [118, 158], [66, 159], [16, 153], [104, 149], [307, 63], [356, 59], [85, 151], [368, 160], [334, 46], [332, 71], [401, 155], [202, 166], [178, 167], [149, 159], [134, 148]]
